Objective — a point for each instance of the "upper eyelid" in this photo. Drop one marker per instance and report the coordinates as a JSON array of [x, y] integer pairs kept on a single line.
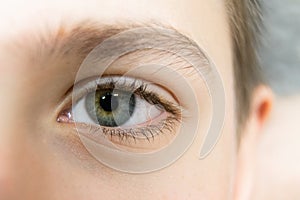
[[128, 83]]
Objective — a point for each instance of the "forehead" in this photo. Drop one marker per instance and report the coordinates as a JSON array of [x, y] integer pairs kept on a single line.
[[189, 15]]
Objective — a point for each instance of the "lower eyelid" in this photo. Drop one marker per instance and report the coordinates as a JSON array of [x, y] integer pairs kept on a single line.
[[127, 141], [132, 131]]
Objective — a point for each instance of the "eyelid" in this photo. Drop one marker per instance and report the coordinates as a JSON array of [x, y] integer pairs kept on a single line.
[[129, 83], [147, 132], [91, 84]]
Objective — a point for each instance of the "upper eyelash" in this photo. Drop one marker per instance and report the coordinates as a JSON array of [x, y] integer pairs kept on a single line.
[[155, 99], [140, 88]]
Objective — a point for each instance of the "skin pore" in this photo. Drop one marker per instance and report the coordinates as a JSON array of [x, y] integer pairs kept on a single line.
[[43, 159]]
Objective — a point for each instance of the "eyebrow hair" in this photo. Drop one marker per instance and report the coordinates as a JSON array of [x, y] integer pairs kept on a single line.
[[84, 36], [81, 38]]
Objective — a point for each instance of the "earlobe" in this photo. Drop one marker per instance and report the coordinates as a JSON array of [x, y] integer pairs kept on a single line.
[[262, 103], [260, 109]]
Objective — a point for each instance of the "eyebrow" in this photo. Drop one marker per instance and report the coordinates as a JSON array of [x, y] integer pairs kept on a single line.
[[81, 38]]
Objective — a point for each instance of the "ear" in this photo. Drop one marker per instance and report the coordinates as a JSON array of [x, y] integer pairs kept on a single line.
[[260, 108]]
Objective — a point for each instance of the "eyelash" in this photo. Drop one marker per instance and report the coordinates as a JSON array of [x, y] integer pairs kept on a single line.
[[148, 132], [139, 88]]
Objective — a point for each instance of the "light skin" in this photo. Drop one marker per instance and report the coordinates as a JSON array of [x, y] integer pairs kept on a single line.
[[43, 159]]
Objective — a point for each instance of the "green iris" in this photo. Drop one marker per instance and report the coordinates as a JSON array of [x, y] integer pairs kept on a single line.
[[110, 107]]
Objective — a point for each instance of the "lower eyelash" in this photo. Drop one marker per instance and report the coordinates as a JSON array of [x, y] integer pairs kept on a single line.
[[148, 132]]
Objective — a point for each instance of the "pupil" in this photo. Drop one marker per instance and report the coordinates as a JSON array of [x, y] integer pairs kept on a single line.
[[109, 102]]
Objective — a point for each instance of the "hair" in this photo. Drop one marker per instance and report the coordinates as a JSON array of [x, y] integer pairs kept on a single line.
[[245, 18]]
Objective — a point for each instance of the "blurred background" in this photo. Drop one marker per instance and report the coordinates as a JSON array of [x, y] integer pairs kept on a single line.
[[278, 165], [280, 54]]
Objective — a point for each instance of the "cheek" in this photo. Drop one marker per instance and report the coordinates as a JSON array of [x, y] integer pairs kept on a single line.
[[50, 164]]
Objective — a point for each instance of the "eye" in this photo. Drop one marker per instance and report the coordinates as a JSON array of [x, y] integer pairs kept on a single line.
[[125, 109], [115, 105]]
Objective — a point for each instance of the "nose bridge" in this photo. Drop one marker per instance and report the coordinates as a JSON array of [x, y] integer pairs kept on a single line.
[[7, 158], [7, 87], [7, 176], [11, 166], [7, 129], [6, 106]]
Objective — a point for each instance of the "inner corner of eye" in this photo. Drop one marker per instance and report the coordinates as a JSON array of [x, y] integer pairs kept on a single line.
[[64, 116]]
